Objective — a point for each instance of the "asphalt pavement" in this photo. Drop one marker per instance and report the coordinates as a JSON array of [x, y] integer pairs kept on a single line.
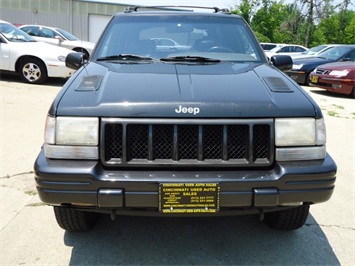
[[29, 234]]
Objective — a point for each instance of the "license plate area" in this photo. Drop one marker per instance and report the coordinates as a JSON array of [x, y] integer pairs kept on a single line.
[[189, 197], [314, 79]]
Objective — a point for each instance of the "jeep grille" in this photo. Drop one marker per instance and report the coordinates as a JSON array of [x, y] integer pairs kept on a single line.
[[159, 142]]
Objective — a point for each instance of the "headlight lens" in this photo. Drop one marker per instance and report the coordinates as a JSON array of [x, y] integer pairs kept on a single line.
[[295, 132], [72, 137], [297, 67], [77, 131], [339, 73], [61, 58], [300, 139]]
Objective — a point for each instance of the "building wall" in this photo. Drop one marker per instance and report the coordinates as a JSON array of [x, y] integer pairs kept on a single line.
[[70, 15]]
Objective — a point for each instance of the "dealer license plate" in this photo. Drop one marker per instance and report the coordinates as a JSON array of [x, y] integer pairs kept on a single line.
[[189, 197], [314, 79]]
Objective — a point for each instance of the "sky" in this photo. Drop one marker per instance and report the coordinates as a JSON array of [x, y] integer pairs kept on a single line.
[[207, 3]]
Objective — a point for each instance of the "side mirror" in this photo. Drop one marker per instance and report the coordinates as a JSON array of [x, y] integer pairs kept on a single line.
[[76, 60], [58, 38], [282, 62]]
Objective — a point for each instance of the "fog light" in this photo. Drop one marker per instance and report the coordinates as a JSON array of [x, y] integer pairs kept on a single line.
[[337, 86]]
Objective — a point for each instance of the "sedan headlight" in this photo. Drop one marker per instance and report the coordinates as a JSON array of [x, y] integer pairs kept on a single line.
[[297, 66], [300, 139], [72, 137], [61, 58], [339, 73]]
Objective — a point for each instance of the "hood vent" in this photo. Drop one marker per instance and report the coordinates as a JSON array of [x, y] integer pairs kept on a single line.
[[90, 83], [277, 84]]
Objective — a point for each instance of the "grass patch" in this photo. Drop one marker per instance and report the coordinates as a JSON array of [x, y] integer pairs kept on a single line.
[[332, 113], [31, 192], [339, 106]]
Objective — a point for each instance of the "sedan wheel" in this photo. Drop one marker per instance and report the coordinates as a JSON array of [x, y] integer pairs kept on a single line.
[[32, 70]]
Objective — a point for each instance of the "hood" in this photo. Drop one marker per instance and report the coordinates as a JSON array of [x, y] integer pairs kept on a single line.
[[339, 65], [224, 90], [311, 61]]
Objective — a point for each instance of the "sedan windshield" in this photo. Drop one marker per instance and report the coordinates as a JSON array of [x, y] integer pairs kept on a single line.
[[335, 53], [67, 35], [14, 34], [179, 38]]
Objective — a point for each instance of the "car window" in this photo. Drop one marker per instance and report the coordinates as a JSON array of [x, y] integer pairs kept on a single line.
[[31, 30], [285, 49], [220, 38], [47, 33], [67, 35], [299, 49], [14, 34], [335, 53]]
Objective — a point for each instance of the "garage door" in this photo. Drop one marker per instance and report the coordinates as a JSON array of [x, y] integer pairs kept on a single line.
[[97, 24]]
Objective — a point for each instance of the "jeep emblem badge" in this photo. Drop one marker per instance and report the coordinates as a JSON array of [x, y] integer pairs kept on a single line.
[[189, 110]]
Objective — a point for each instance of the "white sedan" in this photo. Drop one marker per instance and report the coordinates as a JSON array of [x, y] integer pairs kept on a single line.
[[286, 49], [33, 61], [58, 37]]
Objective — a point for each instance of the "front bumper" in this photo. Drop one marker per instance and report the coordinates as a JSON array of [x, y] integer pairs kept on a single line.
[[57, 69], [87, 185], [298, 76]]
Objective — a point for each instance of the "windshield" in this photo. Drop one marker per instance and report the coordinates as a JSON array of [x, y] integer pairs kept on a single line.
[[335, 53], [179, 36], [315, 49], [67, 35], [276, 49], [14, 34]]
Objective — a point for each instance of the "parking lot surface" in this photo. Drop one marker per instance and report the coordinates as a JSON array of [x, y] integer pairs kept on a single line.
[[29, 234]]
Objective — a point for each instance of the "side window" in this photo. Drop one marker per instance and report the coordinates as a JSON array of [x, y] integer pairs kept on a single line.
[[285, 49], [299, 49], [47, 33], [32, 31], [349, 57]]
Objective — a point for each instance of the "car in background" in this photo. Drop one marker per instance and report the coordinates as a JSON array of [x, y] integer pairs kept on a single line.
[[286, 49], [169, 44], [314, 51], [338, 77], [268, 46], [303, 67], [33, 61], [58, 37]]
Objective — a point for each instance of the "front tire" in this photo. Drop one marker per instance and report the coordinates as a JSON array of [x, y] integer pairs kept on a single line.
[[74, 220], [32, 70], [289, 219]]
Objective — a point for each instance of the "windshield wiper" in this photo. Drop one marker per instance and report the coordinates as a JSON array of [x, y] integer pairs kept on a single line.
[[129, 57], [189, 58]]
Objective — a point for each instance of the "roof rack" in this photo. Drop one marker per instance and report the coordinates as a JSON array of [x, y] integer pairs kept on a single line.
[[216, 9]]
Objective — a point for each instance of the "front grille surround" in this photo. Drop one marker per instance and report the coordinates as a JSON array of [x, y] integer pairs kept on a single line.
[[187, 142]]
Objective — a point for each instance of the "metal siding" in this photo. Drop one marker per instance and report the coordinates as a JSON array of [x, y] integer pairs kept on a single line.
[[56, 13]]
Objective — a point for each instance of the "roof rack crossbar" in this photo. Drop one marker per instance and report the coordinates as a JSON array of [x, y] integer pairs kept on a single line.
[[216, 9]]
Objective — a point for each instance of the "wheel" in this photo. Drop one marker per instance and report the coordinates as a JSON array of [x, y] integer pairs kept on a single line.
[[220, 49], [74, 220], [32, 70], [289, 219], [353, 93]]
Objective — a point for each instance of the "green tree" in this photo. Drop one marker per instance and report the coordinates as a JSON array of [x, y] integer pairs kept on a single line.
[[268, 18]]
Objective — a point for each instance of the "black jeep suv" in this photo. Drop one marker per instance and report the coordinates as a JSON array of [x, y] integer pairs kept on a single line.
[[179, 113]]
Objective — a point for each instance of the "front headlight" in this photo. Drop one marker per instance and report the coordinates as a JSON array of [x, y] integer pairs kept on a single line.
[[297, 66], [61, 58], [72, 137], [300, 139], [339, 73]]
